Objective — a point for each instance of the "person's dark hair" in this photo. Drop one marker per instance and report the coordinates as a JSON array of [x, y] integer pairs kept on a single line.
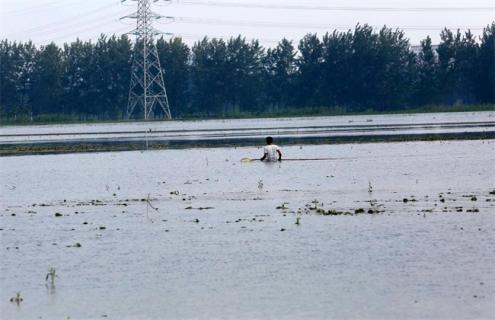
[[269, 140]]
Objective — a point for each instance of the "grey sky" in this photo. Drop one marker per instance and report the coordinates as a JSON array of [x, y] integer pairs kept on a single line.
[[43, 21]]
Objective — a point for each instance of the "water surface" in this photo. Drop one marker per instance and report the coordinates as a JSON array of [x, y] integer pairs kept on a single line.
[[241, 257]]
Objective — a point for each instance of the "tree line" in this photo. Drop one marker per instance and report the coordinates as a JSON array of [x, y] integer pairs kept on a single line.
[[357, 70]]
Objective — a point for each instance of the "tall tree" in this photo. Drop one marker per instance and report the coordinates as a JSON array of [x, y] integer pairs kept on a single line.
[[77, 79], [174, 57], [393, 70], [485, 88], [243, 74], [16, 73], [309, 64], [336, 75], [208, 75], [427, 82], [47, 77], [364, 66], [280, 70], [112, 59]]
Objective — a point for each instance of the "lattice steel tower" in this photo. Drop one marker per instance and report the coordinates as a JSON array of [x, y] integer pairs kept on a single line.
[[147, 88]]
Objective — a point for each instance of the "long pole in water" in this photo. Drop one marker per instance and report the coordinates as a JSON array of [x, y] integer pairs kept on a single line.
[[301, 159]]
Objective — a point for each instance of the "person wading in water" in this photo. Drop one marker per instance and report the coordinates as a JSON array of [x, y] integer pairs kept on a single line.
[[271, 152]]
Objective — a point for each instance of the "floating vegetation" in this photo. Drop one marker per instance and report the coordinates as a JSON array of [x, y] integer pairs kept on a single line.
[[199, 208], [332, 213], [283, 206], [17, 299], [77, 245]]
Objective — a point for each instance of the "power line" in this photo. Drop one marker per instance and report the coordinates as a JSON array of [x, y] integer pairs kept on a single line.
[[67, 22], [197, 36], [113, 31], [76, 32], [272, 24], [38, 6], [333, 8]]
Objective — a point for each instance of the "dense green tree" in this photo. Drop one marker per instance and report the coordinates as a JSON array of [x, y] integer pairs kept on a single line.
[[208, 76], [364, 67], [46, 90], [394, 70], [174, 57], [111, 76], [243, 75], [357, 70], [485, 82], [427, 81], [280, 75], [16, 73], [309, 76], [77, 81], [336, 75], [457, 56]]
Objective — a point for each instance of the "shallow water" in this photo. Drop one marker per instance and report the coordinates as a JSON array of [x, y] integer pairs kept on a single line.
[[416, 259], [237, 129]]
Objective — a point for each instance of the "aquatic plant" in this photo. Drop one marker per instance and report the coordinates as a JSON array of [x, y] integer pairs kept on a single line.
[[332, 212], [298, 220], [17, 299], [283, 206], [52, 274], [315, 203]]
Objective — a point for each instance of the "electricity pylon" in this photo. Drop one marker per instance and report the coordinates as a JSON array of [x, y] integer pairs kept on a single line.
[[147, 88]]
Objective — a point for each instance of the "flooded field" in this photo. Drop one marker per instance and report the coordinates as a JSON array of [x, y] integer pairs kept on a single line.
[[244, 132], [385, 231]]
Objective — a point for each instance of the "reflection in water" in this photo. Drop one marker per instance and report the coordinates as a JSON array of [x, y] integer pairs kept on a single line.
[[50, 288]]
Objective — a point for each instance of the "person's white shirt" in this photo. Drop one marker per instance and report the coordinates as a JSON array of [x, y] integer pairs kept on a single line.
[[271, 152]]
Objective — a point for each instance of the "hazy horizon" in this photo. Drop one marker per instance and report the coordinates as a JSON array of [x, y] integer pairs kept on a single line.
[[44, 21]]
